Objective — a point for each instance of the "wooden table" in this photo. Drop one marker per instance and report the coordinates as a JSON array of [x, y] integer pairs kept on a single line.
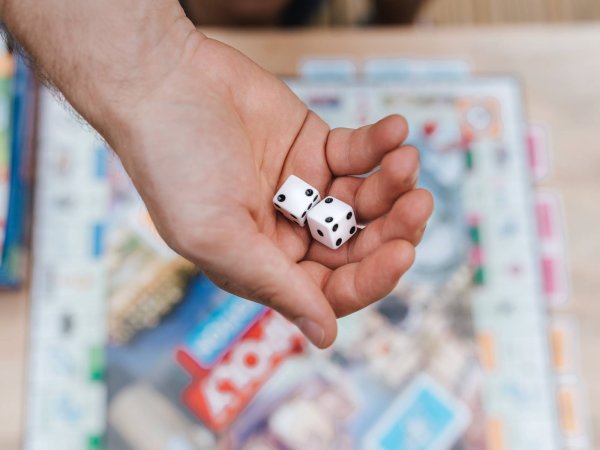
[[560, 69], [13, 355]]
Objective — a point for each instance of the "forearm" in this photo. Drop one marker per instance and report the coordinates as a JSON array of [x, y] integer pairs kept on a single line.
[[104, 55]]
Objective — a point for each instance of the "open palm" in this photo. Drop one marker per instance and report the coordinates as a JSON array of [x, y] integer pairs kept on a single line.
[[215, 141]]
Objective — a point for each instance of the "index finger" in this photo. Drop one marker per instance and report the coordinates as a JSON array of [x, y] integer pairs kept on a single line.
[[355, 152]]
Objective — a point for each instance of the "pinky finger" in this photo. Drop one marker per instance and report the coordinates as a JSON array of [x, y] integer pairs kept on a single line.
[[354, 286]]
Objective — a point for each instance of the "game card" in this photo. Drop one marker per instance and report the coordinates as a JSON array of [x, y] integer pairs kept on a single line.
[[424, 417]]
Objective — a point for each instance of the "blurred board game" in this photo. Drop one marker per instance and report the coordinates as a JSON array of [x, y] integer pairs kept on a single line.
[[131, 348]]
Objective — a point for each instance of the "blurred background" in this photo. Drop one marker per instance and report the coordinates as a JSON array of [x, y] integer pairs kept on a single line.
[[108, 340], [434, 12], [442, 12]]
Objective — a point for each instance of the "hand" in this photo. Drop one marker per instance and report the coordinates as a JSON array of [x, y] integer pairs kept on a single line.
[[209, 147], [207, 137]]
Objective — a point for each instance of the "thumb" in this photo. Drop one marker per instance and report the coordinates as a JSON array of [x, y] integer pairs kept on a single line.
[[255, 268]]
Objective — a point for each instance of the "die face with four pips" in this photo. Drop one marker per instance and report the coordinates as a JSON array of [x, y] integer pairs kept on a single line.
[[332, 222], [295, 198]]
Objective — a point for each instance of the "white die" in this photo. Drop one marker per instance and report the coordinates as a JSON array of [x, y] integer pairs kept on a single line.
[[332, 222], [295, 198]]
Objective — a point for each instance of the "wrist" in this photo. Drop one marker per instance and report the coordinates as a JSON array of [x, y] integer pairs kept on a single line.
[[123, 94], [121, 82]]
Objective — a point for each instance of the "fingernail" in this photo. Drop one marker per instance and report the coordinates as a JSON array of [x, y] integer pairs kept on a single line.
[[311, 330]]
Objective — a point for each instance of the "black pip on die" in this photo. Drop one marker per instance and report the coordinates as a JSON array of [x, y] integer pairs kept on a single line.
[[332, 222], [295, 198]]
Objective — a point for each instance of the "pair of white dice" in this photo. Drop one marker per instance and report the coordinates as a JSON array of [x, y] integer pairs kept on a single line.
[[331, 221]]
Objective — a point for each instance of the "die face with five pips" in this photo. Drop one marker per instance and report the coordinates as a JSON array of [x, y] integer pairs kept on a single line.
[[332, 222], [295, 198]]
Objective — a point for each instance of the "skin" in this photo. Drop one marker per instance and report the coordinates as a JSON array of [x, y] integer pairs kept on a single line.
[[207, 137]]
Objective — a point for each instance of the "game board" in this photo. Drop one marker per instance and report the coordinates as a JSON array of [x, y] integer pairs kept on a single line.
[[457, 357]]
